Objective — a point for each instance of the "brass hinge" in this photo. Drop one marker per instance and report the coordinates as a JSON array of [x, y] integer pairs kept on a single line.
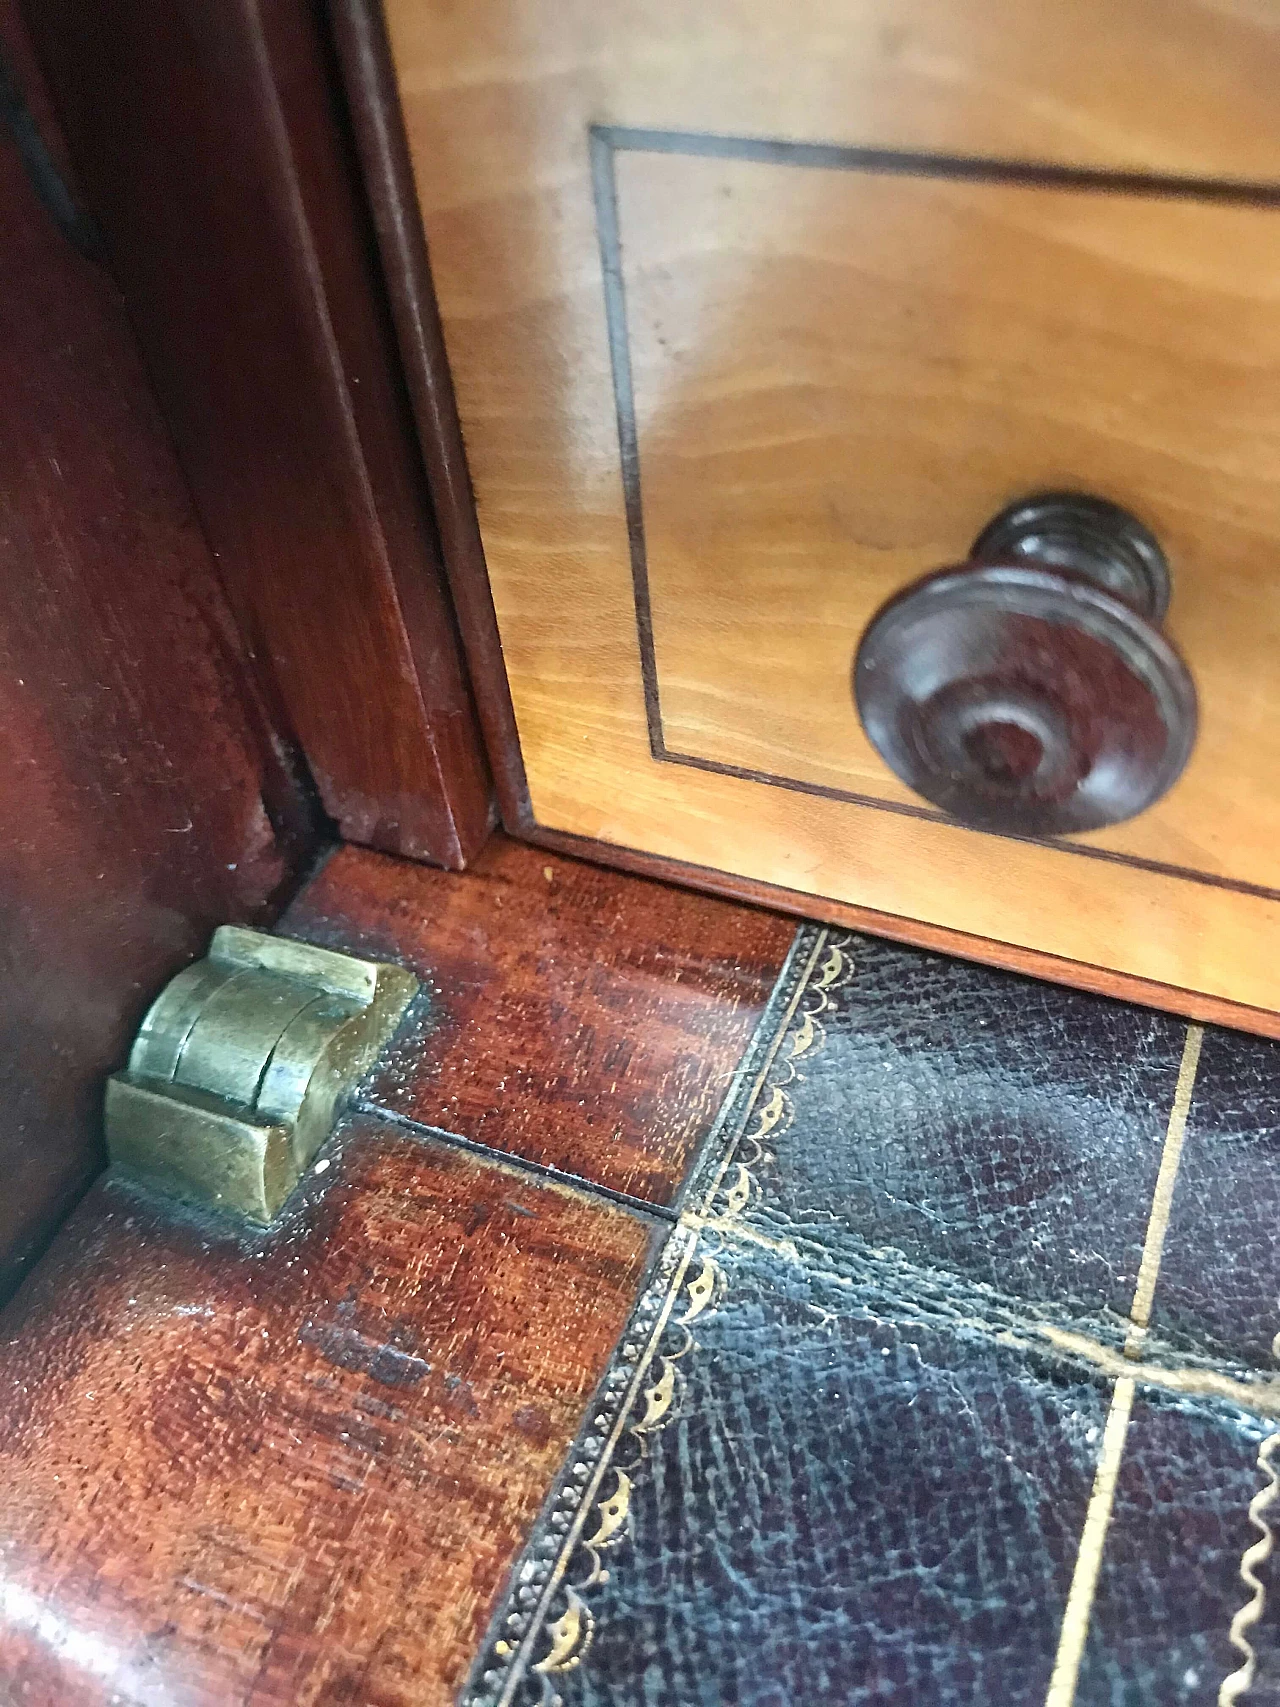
[[233, 1080]]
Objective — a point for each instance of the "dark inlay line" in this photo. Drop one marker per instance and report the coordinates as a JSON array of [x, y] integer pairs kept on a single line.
[[604, 187], [834, 156], [1159, 868], [605, 140], [797, 965]]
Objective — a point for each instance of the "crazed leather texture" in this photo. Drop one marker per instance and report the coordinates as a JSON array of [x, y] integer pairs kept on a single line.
[[900, 1417], [1220, 1279]]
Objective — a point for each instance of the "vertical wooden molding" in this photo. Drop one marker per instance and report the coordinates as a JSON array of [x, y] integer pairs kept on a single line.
[[212, 147], [365, 55]]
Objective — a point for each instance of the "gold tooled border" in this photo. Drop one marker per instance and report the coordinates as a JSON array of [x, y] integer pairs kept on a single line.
[[644, 1370], [641, 1386]]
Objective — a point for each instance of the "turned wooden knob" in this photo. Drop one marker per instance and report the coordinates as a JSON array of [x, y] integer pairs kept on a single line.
[[1030, 690]]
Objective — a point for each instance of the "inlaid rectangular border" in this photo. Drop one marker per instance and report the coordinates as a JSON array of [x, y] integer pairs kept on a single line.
[[364, 58], [606, 142]]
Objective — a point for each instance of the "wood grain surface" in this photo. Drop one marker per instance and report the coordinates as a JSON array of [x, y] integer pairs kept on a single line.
[[141, 801], [1100, 980], [838, 376], [835, 399], [364, 55], [296, 1472], [213, 151], [580, 1019]]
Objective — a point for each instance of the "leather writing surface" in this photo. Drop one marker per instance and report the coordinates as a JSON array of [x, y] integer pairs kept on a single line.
[[1220, 1279], [991, 1127], [852, 1442]]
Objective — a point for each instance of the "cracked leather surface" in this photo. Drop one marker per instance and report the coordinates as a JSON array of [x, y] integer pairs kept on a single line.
[[1170, 1581], [1220, 1278], [854, 1510], [859, 1457], [990, 1126], [832, 1482]]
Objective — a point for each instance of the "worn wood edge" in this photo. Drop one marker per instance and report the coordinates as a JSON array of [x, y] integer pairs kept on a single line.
[[916, 933], [364, 56]]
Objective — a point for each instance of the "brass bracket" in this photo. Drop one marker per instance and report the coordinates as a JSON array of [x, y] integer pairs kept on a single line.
[[233, 1080]]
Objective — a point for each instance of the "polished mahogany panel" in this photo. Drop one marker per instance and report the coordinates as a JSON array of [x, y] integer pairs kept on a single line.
[[212, 148], [583, 1020], [141, 798], [294, 1471]]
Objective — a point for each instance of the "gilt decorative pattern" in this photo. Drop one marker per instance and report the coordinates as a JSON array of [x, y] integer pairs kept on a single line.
[[931, 1395]]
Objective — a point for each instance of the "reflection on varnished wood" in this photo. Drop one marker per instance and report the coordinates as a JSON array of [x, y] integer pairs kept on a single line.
[[297, 1470], [838, 378], [553, 981]]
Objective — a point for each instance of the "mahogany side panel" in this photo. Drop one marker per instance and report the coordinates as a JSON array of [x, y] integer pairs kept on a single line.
[[141, 798], [295, 1472], [583, 1020], [211, 146]]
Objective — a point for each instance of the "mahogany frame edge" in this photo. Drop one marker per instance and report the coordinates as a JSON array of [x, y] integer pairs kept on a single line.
[[373, 98], [429, 799], [369, 75]]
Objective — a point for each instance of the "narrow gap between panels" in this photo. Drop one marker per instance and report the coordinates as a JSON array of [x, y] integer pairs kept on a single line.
[[661, 1212]]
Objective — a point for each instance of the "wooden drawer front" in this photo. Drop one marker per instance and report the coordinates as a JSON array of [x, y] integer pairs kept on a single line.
[[838, 396], [726, 384]]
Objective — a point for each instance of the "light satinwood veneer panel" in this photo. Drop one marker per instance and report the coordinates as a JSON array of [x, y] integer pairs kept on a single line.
[[837, 394], [839, 376]]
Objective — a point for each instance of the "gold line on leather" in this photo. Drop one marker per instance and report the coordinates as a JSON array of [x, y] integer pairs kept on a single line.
[[1084, 1579], [1162, 1198]]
